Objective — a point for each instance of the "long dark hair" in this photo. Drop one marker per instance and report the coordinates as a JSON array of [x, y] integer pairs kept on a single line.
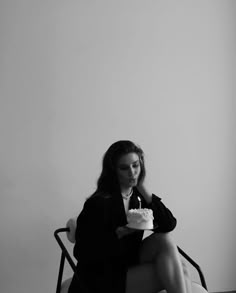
[[107, 181]]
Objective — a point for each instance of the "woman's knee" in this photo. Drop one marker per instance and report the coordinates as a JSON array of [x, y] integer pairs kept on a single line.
[[165, 242], [156, 244]]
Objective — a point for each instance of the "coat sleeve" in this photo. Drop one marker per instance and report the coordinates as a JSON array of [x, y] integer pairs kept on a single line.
[[93, 237], [163, 217], [96, 248]]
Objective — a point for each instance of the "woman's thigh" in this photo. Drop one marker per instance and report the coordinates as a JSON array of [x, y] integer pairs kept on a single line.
[[142, 279]]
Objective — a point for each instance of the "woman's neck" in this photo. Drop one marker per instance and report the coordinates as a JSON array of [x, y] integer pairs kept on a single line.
[[126, 192]]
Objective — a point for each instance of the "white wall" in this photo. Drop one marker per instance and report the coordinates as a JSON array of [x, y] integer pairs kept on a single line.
[[79, 75]]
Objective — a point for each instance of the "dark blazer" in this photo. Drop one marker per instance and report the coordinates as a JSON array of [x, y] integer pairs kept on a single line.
[[103, 259]]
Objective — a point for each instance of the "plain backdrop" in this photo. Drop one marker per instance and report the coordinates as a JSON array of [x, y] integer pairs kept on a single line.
[[77, 76]]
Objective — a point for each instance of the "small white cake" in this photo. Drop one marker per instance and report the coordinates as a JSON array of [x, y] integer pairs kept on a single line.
[[140, 219]]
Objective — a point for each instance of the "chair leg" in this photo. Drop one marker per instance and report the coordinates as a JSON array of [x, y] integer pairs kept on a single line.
[[60, 274]]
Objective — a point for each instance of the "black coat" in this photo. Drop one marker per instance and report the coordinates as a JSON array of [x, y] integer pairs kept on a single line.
[[103, 259]]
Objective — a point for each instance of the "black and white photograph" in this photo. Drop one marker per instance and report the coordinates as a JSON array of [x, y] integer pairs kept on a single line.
[[117, 146]]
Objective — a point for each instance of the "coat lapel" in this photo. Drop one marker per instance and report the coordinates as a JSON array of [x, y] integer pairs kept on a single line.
[[134, 202], [118, 214], [118, 211]]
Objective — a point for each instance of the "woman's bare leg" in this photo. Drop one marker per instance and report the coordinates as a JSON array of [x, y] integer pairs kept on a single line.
[[160, 250], [142, 279]]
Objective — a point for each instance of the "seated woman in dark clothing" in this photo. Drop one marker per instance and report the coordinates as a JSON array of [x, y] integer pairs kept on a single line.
[[113, 258]]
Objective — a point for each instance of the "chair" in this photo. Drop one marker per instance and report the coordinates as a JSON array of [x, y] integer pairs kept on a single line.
[[62, 287]]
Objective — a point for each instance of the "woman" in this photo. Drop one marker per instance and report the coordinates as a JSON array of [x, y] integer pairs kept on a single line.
[[113, 258]]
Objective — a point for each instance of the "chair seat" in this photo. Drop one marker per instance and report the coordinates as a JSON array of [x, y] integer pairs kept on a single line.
[[196, 288], [71, 224], [65, 285]]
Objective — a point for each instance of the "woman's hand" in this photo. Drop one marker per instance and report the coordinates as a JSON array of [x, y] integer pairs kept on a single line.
[[123, 231]]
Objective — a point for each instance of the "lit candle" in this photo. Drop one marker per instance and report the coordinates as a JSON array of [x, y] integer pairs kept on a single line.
[[139, 199]]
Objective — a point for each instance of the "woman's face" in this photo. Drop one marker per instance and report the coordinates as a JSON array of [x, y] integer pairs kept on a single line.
[[128, 170]]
